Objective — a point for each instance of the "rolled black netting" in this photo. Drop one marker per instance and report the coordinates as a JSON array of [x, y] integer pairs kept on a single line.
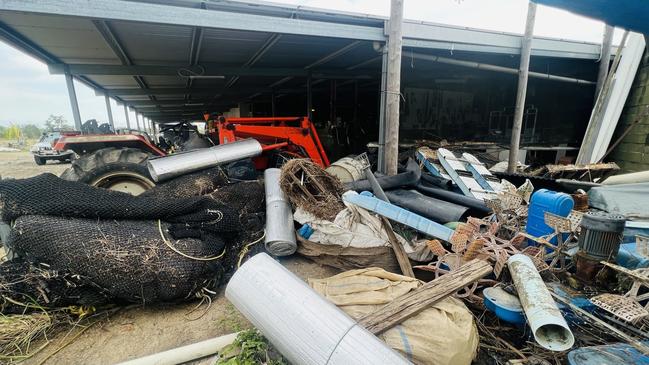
[[47, 194], [24, 285], [129, 259]]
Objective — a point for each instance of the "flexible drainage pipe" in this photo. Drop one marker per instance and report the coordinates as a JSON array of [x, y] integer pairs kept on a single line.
[[168, 167], [548, 325], [438, 210], [280, 233], [302, 325]]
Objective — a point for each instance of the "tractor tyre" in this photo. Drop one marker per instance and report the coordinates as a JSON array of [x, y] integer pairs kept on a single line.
[[121, 169], [40, 161]]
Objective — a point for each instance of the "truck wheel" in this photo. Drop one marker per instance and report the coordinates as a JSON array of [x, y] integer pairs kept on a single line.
[[121, 169], [40, 161]]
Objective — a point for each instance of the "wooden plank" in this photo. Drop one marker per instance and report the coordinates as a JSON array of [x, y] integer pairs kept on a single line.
[[399, 252], [423, 297]]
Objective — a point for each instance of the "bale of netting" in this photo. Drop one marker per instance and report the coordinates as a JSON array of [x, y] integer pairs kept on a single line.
[[25, 287], [311, 188], [47, 194], [136, 261]]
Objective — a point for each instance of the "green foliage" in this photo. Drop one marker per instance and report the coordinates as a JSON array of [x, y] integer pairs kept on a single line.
[[249, 348], [57, 122], [31, 131], [13, 133]]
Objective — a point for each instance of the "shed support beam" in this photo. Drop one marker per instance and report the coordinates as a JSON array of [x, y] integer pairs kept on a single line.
[[309, 97], [72, 95], [128, 122], [382, 94], [526, 48], [109, 111], [605, 59], [394, 87], [137, 120]]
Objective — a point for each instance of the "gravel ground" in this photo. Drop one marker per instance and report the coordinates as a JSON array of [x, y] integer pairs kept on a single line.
[[19, 165]]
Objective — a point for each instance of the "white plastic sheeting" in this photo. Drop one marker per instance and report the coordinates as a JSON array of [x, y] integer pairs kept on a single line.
[[302, 325]]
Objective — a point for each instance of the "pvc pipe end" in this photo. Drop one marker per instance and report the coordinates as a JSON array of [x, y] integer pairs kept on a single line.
[[554, 337]]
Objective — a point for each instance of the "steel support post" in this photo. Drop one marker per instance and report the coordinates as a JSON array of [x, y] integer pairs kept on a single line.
[[394, 87], [109, 111], [523, 73], [128, 122], [72, 95], [137, 121], [309, 97]]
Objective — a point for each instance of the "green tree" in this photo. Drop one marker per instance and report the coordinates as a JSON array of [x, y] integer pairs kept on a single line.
[[31, 131], [57, 122], [13, 132], [3, 130]]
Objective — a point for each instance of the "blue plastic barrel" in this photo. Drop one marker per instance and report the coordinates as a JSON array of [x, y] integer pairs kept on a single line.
[[544, 200]]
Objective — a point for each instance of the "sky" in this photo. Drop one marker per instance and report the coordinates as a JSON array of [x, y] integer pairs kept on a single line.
[[29, 94]]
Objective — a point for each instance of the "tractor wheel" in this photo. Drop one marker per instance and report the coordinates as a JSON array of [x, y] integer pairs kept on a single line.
[[40, 161], [121, 169]]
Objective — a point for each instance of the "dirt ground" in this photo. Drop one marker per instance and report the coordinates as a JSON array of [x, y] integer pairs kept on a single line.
[[135, 332], [20, 165], [138, 331]]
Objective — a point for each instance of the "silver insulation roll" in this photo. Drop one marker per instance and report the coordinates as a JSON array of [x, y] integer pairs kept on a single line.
[[280, 233], [168, 167], [546, 321], [302, 325]]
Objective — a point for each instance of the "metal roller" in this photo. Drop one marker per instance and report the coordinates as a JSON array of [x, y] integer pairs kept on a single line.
[[280, 233], [168, 167]]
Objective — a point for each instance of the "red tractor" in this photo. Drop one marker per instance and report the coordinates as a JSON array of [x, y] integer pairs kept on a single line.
[[118, 161]]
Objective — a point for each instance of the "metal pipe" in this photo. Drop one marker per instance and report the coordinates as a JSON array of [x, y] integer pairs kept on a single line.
[[164, 168], [543, 316], [128, 122], [384, 72], [74, 103], [183, 354], [302, 325], [496, 68], [109, 112], [521, 92], [280, 233]]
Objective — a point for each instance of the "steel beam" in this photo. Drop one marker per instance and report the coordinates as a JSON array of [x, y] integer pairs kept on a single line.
[[109, 111], [192, 17], [72, 95], [268, 44], [128, 122], [137, 120], [195, 71]]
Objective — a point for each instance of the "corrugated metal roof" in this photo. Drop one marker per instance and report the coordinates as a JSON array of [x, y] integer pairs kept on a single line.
[[75, 32]]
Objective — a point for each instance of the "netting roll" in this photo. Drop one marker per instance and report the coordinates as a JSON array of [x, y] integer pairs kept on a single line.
[[129, 259]]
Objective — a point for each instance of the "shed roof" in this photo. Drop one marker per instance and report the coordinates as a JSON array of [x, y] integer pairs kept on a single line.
[[176, 58]]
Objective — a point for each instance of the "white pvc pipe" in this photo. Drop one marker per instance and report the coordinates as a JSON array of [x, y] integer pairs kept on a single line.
[[546, 321], [280, 233], [184, 354], [303, 326]]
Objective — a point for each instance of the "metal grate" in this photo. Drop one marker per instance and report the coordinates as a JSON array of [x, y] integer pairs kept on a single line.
[[622, 307]]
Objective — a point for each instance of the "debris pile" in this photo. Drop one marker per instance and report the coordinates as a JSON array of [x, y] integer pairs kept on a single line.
[[442, 263]]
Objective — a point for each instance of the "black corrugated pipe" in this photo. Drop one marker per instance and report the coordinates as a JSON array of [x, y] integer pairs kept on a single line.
[[438, 210], [409, 178], [477, 207]]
